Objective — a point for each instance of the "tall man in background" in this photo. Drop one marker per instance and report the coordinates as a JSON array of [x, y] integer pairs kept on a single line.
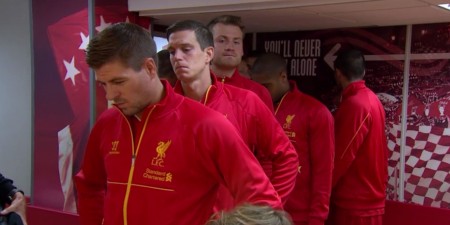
[[310, 127], [191, 49], [228, 34], [360, 169]]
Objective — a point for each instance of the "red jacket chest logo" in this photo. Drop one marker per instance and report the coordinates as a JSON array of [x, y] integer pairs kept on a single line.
[[161, 149]]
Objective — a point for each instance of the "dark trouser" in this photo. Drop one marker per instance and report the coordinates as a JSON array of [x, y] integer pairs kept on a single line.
[[349, 217]]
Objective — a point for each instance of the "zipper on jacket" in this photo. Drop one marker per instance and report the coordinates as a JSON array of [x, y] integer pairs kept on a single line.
[[207, 95], [279, 104], [133, 159]]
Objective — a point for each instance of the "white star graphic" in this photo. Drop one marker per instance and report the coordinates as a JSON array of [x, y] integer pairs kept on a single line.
[[103, 24], [127, 20], [84, 41], [71, 70]]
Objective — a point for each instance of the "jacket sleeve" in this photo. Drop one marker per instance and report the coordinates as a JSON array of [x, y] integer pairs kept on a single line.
[[266, 98], [321, 140], [91, 182], [275, 151], [351, 127], [225, 154]]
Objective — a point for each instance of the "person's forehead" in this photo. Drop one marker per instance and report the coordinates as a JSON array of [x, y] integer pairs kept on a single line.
[[185, 37], [111, 70], [182, 34], [227, 30]]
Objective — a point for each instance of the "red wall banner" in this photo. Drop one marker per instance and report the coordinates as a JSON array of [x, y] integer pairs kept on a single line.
[[62, 93], [55, 118]]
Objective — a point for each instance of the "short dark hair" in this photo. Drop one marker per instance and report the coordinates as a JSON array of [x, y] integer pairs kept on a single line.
[[127, 42], [203, 35], [351, 63], [227, 20], [164, 66], [254, 53], [268, 64]]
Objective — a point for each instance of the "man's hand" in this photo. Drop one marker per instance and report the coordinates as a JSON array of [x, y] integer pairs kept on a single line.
[[19, 206]]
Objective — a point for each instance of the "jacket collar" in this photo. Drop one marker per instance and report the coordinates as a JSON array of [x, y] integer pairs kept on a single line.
[[233, 79], [353, 87], [293, 91], [293, 87], [166, 105], [212, 94]]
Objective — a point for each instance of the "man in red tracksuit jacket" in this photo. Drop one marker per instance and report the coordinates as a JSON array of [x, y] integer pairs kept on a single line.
[[360, 170], [191, 49], [310, 127], [228, 34], [155, 157]]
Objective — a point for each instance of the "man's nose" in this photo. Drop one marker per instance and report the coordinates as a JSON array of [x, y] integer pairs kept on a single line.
[[176, 55], [111, 92]]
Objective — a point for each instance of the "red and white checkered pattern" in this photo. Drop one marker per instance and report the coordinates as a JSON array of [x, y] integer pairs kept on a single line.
[[427, 164]]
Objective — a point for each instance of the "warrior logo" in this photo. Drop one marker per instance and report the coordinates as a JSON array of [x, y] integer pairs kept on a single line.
[[288, 123], [114, 146], [161, 153]]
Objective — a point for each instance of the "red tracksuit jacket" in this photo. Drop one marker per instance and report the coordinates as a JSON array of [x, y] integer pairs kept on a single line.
[[310, 127], [259, 129], [172, 173], [238, 80], [360, 170]]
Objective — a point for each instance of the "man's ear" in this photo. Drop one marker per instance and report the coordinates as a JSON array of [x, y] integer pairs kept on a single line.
[[283, 75], [150, 66], [209, 54], [337, 74], [340, 78]]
